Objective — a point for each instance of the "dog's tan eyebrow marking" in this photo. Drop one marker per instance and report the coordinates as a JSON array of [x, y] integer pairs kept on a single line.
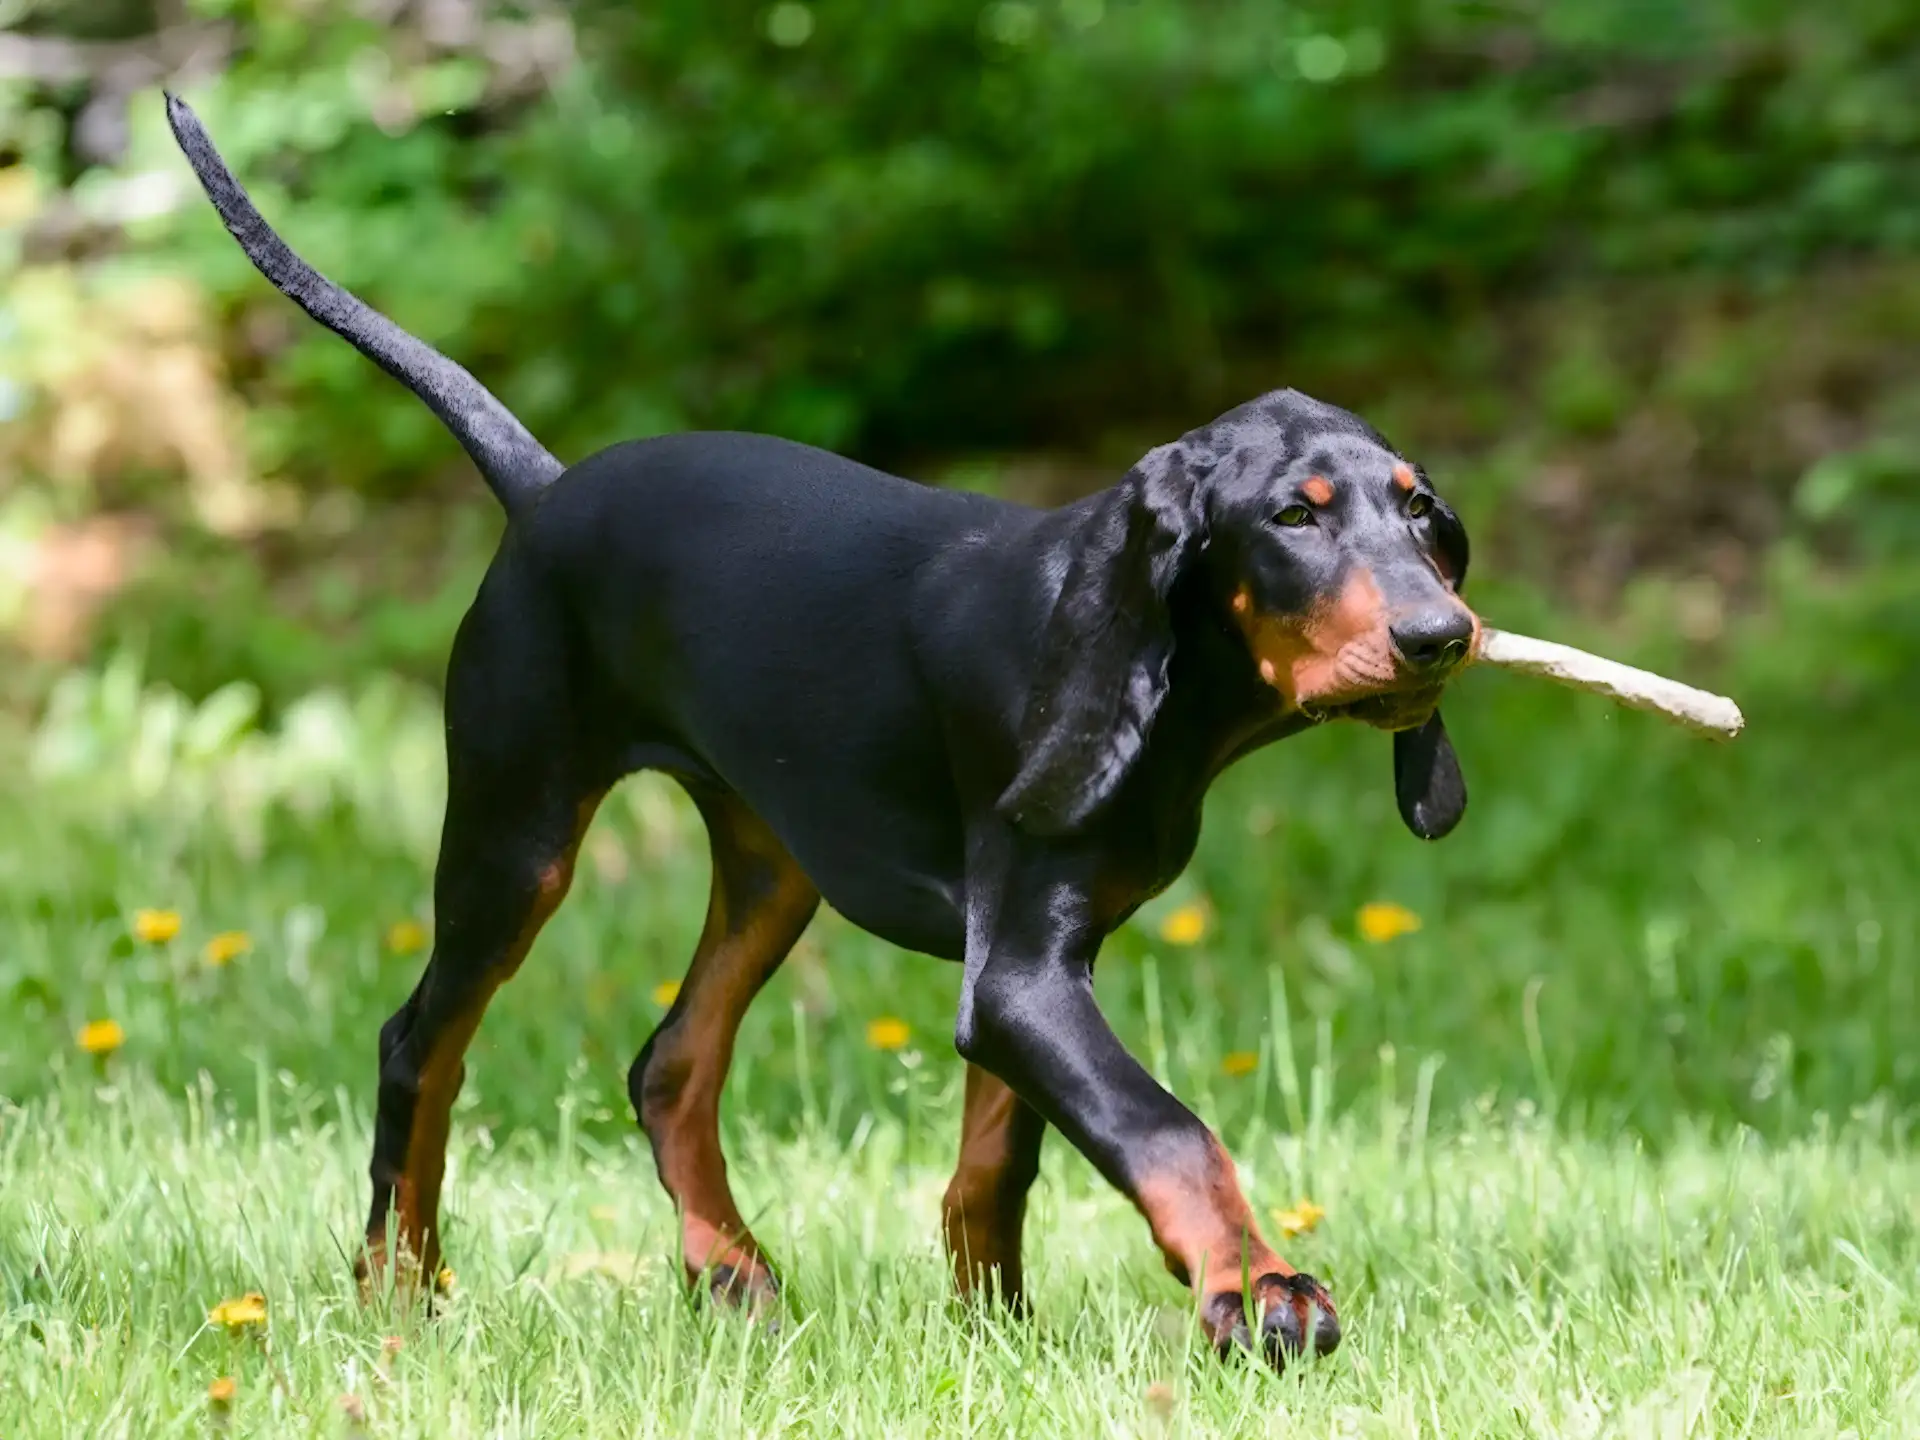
[[1403, 475], [1241, 600], [1318, 490]]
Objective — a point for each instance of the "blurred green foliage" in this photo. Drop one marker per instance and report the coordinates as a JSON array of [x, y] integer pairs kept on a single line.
[[1640, 281], [955, 225]]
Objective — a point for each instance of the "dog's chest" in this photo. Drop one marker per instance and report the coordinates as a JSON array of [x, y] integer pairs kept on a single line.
[[1145, 858]]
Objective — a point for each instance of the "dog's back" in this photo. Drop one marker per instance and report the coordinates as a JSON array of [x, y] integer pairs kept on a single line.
[[707, 572]]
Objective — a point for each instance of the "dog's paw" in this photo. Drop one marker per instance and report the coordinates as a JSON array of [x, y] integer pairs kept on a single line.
[[380, 1274], [1295, 1313], [750, 1288]]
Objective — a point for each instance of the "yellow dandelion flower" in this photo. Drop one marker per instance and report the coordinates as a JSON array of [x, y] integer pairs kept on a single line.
[[444, 1280], [1382, 920], [406, 937], [226, 947], [887, 1033], [101, 1037], [221, 1392], [155, 927], [241, 1311], [1304, 1216], [666, 992], [1239, 1062], [1185, 926]]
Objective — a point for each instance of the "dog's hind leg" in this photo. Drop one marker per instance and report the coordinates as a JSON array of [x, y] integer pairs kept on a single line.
[[519, 796], [761, 901], [986, 1201]]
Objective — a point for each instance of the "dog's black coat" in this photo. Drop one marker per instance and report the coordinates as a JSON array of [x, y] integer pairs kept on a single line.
[[982, 731]]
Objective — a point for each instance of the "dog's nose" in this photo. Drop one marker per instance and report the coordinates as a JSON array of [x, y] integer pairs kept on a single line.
[[1433, 640]]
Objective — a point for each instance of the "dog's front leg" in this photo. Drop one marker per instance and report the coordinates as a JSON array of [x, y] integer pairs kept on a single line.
[[1027, 1014]]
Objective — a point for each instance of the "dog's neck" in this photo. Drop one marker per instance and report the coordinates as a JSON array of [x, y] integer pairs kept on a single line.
[[1216, 710]]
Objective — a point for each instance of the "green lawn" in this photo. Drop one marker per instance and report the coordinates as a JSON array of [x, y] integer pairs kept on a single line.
[[1617, 1142], [1498, 1277]]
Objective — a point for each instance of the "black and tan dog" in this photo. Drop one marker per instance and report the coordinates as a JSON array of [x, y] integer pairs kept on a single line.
[[980, 731]]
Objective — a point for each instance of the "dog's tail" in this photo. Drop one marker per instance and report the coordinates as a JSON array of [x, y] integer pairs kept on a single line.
[[516, 465]]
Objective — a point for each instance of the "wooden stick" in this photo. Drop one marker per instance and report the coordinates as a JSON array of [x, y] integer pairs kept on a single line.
[[1700, 711]]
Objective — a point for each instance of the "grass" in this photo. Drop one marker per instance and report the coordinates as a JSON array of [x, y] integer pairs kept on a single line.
[[1499, 1276], [1617, 1142]]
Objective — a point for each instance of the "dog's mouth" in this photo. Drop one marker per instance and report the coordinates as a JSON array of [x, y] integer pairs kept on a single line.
[[1366, 680], [1386, 710]]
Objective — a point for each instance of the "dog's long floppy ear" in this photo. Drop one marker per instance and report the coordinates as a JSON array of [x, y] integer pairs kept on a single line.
[[1102, 669], [1427, 783]]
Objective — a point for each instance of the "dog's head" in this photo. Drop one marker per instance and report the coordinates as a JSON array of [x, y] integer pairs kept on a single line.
[[1327, 551]]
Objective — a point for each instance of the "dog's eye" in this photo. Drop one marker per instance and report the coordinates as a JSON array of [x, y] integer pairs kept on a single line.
[[1420, 506], [1294, 516]]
